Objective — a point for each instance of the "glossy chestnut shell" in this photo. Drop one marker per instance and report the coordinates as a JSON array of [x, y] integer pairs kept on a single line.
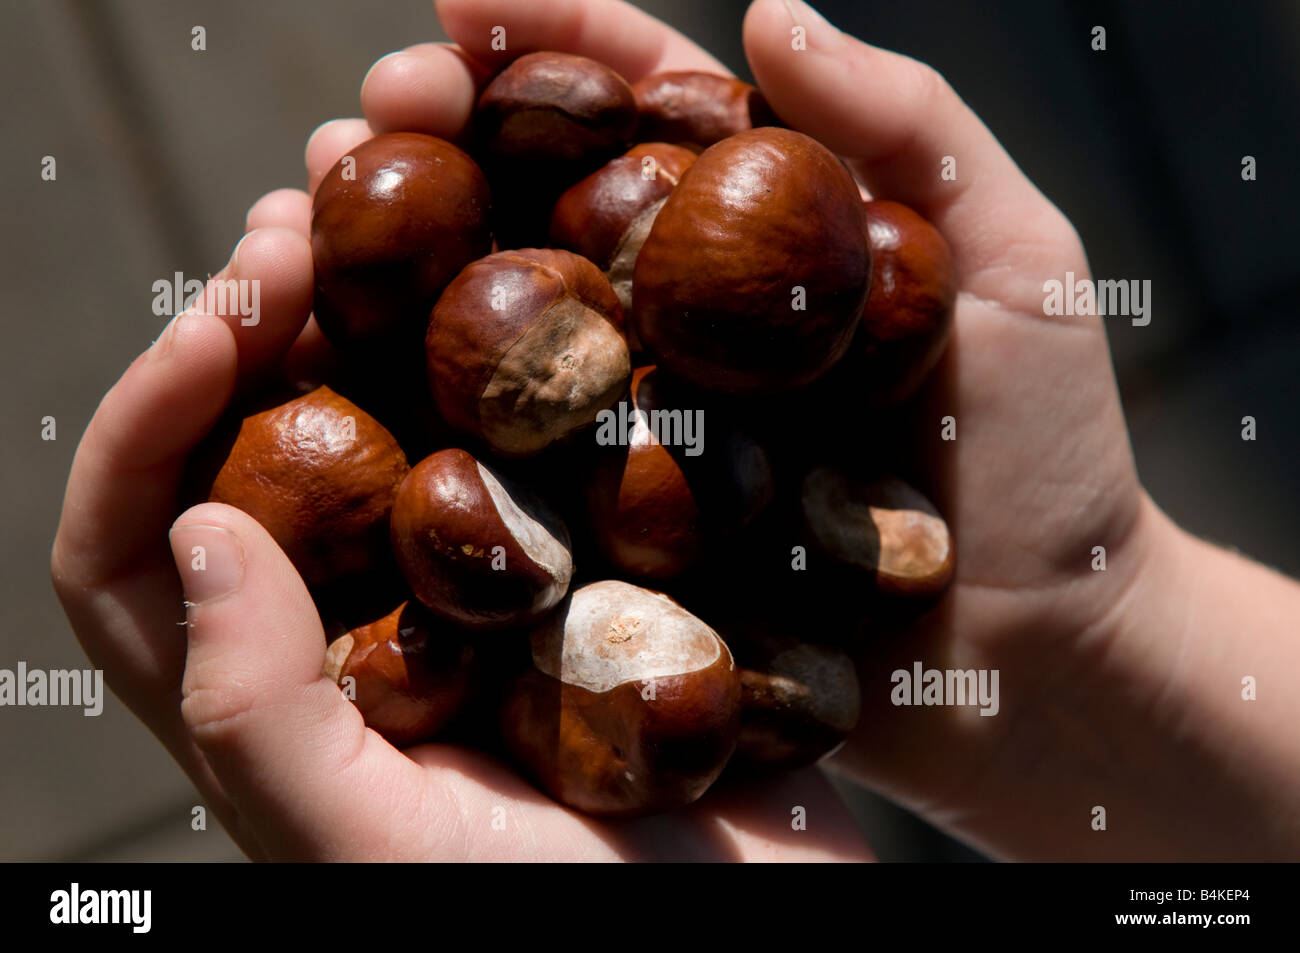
[[755, 272]]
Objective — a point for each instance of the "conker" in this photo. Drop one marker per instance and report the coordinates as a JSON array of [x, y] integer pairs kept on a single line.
[[607, 216], [411, 672], [883, 528], [656, 503], [475, 548], [799, 700], [392, 223], [525, 347], [755, 272], [320, 474], [632, 705], [909, 311], [556, 107], [688, 106], [544, 122]]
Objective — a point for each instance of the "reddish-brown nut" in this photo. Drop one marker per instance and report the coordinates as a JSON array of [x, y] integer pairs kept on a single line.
[[799, 700], [526, 347], [660, 494], [546, 121], [755, 272], [699, 108], [607, 216], [556, 107], [884, 528], [411, 673], [909, 311], [320, 474], [392, 223], [475, 548], [632, 705]]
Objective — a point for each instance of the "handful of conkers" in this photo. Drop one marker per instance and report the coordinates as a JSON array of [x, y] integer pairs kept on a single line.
[[569, 571]]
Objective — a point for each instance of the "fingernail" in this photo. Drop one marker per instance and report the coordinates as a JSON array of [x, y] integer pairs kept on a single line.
[[808, 18], [234, 256], [373, 66], [163, 344], [210, 560]]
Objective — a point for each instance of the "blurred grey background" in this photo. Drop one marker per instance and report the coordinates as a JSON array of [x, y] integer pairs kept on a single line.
[[161, 150]]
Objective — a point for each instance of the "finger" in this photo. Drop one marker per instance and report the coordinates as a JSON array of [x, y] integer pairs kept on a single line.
[[899, 119], [122, 489], [430, 88], [283, 208], [127, 468], [330, 142], [291, 752], [264, 295], [617, 34]]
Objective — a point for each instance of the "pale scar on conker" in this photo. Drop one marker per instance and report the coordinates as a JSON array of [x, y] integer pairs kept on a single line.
[[631, 706], [884, 528], [607, 216], [475, 548], [526, 347]]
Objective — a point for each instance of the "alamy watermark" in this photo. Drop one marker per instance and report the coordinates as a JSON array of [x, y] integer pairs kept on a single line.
[[54, 688], [630, 426], [224, 296], [129, 907], [1085, 297], [946, 687]]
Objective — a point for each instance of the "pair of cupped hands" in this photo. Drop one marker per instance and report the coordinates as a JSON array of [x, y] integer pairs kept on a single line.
[[1039, 473]]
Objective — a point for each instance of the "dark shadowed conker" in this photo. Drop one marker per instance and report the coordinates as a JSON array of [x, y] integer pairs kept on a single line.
[[883, 528], [659, 499], [632, 705], [525, 347], [799, 699], [411, 672], [544, 122], [698, 108], [755, 272], [320, 474], [475, 548], [392, 223]]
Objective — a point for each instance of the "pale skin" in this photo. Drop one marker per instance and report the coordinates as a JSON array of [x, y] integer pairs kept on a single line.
[[1120, 689]]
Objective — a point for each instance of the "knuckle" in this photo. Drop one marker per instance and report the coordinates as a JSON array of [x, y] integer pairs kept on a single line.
[[218, 716]]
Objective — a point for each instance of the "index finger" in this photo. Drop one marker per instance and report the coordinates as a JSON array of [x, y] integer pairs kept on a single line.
[[626, 39]]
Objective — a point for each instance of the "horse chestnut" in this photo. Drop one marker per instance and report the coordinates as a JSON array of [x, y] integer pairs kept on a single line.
[[411, 672], [656, 503], [884, 528], [631, 707], [698, 108], [392, 223], [909, 311], [525, 347], [476, 549], [320, 474], [755, 272], [607, 216]]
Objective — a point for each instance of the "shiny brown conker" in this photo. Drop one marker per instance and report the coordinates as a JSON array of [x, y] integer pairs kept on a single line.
[[688, 106], [474, 547], [393, 223], [320, 474], [525, 347], [755, 272]]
